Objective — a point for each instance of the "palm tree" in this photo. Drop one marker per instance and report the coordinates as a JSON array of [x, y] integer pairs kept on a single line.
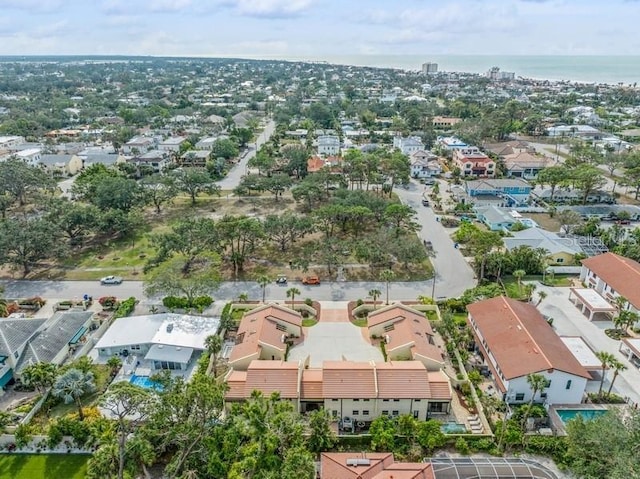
[[605, 360], [375, 294], [213, 343], [263, 281], [537, 382], [243, 297], [618, 367], [387, 275], [541, 296], [114, 363], [291, 293], [518, 275], [72, 385]]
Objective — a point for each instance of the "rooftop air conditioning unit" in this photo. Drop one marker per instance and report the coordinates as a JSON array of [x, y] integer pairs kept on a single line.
[[169, 327]]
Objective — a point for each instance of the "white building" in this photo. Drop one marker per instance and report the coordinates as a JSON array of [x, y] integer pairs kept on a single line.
[[172, 144], [424, 164], [10, 142], [157, 341], [515, 341], [31, 156], [139, 145], [328, 145], [429, 68], [409, 145]]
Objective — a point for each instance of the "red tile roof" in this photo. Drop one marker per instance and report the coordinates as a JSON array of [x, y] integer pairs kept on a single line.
[[622, 274], [259, 326], [273, 376], [439, 385], [381, 465], [520, 339], [403, 380], [236, 382], [348, 379], [311, 387]]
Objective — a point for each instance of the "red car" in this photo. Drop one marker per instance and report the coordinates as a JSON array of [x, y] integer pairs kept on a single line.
[[310, 280]]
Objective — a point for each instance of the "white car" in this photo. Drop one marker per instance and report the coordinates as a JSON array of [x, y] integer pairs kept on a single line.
[[111, 280]]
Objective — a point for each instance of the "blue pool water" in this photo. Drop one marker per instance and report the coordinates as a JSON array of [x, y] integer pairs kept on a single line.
[[145, 382], [453, 428], [567, 414]]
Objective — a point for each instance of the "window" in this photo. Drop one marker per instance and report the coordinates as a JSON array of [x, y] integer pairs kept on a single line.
[[559, 260], [385, 413], [366, 400], [365, 412], [520, 397], [356, 400], [437, 407], [568, 386], [135, 347], [385, 400], [396, 400], [417, 400], [416, 414], [355, 412], [548, 384], [334, 413], [334, 400], [395, 413]]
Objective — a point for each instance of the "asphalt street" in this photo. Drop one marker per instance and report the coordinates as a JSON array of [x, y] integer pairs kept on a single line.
[[453, 273]]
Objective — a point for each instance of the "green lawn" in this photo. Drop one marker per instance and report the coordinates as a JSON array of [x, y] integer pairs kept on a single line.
[[43, 466], [308, 322], [361, 322]]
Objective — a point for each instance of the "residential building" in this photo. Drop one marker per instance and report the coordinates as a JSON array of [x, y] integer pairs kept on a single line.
[[374, 388], [515, 341], [157, 342], [496, 218], [328, 145], [408, 145], [264, 333], [495, 74], [506, 148], [158, 160], [30, 156], [195, 158], [585, 132], [172, 144], [613, 276], [445, 122], [407, 334], [206, 143], [139, 145], [451, 143], [316, 163], [561, 251], [472, 162], [371, 465], [524, 165], [424, 164], [269, 355], [512, 192], [565, 195], [64, 164], [10, 142], [26, 341]]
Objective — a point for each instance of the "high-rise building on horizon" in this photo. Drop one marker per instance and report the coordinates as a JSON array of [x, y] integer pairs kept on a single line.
[[429, 67]]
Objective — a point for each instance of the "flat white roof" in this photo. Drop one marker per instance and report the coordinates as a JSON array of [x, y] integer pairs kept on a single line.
[[582, 352], [166, 328], [592, 299], [633, 343], [177, 354]]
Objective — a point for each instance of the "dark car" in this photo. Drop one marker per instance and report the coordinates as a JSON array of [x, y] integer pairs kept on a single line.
[[425, 202]]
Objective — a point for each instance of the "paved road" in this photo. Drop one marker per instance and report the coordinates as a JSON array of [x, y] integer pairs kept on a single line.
[[234, 176], [335, 291], [453, 273], [569, 321]]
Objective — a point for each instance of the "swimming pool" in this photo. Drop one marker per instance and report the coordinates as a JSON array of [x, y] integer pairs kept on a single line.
[[145, 382], [567, 415], [453, 428]]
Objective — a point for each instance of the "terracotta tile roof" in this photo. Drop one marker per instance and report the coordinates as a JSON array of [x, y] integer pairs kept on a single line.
[[403, 380], [411, 329], [348, 379], [622, 274], [520, 339], [314, 164], [273, 376], [382, 465], [259, 326], [236, 382], [311, 387], [439, 385]]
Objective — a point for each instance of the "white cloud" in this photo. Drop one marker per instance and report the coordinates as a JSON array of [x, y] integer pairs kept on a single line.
[[125, 7], [32, 6], [272, 8]]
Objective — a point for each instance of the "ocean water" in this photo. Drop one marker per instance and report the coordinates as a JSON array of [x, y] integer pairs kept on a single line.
[[589, 69]]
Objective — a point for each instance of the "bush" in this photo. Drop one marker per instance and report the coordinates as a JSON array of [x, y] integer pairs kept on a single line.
[[360, 302], [461, 446], [108, 303], [23, 435], [125, 308], [202, 302], [181, 302], [308, 302], [35, 301]]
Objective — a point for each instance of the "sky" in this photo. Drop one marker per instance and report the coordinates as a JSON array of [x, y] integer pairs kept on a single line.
[[318, 29]]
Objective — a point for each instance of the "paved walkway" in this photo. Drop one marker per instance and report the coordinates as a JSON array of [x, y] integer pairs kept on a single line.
[[569, 321]]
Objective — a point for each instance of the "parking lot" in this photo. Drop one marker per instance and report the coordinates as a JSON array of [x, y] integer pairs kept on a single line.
[[569, 321]]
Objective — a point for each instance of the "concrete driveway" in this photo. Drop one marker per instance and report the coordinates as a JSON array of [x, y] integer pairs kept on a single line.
[[569, 321], [453, 273]]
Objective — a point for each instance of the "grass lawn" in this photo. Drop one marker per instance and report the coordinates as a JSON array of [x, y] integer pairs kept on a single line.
[[361, 323], [432, 316], [460, 319], [41, 466], [308, 322]]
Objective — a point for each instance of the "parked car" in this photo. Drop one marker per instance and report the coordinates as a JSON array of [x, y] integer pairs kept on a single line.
[[425, 202], [310, 280], [111, 280], [281, 279]]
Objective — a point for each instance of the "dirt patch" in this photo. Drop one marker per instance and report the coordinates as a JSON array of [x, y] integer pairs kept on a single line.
[[545, 221]]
